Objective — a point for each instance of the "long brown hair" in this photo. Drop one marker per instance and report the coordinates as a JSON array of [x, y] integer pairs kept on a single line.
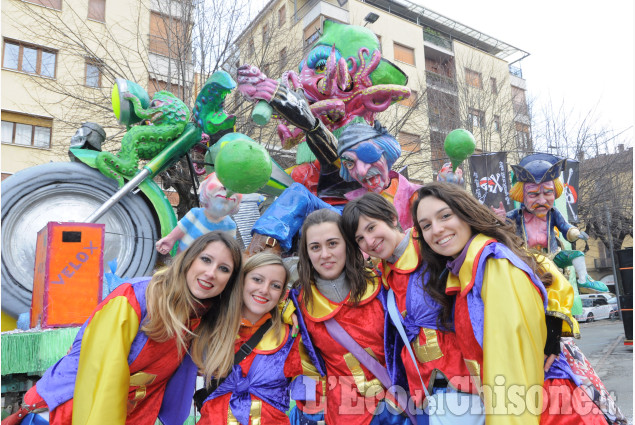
[[355, 270], [481, 219], [267, 259]]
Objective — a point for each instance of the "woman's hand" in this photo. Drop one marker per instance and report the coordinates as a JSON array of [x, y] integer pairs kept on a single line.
[[549, 361]]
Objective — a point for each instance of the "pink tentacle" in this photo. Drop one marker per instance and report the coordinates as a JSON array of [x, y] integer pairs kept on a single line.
[[343, 77]]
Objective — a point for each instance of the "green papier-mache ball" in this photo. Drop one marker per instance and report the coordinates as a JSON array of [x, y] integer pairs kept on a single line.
[[242, 165], [459, 145]]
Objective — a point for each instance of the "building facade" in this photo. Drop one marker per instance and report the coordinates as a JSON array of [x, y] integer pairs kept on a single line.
[[60, 59], [459, 77]]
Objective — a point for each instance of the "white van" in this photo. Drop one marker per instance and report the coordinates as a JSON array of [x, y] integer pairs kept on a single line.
[[594, 308]]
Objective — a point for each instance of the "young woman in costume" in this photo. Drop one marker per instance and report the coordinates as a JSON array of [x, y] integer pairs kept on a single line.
[[502, 295], [335, 288], [257, 389], [371, 221], [129, 362]]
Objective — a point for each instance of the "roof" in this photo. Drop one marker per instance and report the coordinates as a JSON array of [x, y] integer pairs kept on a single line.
[[456, 30]]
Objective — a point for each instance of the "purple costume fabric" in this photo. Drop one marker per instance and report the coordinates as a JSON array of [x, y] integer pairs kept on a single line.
[[58, 382], [265, 380]]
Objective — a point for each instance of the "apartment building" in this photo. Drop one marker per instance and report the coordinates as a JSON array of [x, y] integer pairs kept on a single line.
[[60, 59], [459, 76]]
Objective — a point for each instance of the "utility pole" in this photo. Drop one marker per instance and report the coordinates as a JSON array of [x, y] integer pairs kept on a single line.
[[615, 277]]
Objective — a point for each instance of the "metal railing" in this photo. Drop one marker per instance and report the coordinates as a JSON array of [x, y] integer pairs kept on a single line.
[[446, 43], [440, 81], [516, 71]]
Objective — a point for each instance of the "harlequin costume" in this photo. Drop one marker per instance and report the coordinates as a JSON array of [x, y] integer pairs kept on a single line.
[[351, 389], [257, 390], [499, 310], [436, 350], [115, 374]]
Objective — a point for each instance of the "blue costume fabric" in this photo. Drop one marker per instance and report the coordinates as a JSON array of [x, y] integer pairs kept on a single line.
[[554, 219], [265, 380], [57, 385], [196, 224], [283, 219]]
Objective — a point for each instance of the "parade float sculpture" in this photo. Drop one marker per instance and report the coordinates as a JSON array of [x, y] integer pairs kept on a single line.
[[343, 79], [164, 120], [342, 85], [76, 191], [217, 204], [537, 187], [459, 144]]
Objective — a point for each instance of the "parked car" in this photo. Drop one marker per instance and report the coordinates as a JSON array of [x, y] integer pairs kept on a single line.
[[606, 295], [595, 308]]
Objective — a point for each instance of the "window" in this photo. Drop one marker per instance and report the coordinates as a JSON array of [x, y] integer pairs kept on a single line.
[[404, 54], [411, 101], [26, 130], [283, 57], [55, 4], [312, 31], [251, 50], [519, 101], [265, 33], [493, 84], [282, 15], [155, 85], [497, 123], [409, 142], [93, 73], [165, 32], [97, 10], [475, 118], [29, 58], [473, 78], [437, 153], [522, 137]]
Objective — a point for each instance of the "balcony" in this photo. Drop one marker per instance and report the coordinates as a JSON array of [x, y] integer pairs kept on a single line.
[[441, 82], [437, 40], [314, 8], [516, 71]]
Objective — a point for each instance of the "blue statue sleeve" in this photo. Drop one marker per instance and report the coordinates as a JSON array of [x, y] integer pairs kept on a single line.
[[284, 217], [560, 222]]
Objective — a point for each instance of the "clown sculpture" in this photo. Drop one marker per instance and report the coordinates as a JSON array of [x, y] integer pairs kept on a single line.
[[214, 215], [537, 186]]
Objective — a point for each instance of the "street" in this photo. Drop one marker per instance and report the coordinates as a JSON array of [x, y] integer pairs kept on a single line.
[[603, 344]]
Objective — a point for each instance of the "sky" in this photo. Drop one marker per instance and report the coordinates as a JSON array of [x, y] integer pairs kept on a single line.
[[581, 52]]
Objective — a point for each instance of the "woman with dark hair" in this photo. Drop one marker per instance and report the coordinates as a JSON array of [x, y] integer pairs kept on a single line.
[[129, 362], [501, 301], [337, 298], [372, 222]]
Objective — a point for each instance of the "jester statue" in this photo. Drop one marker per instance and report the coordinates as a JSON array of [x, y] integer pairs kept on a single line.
[[217, 205], [343, 84], [537, 186]]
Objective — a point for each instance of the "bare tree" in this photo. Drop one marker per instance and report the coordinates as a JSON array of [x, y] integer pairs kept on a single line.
[[181, 46]]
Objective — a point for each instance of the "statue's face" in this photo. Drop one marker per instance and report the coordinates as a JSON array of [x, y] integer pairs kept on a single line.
[[367, 164], [539, 198], [80, 137], [217, 203]]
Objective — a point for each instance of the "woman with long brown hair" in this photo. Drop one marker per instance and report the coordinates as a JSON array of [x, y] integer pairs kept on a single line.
[[500, 308], [338, 300], [129, 362]]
